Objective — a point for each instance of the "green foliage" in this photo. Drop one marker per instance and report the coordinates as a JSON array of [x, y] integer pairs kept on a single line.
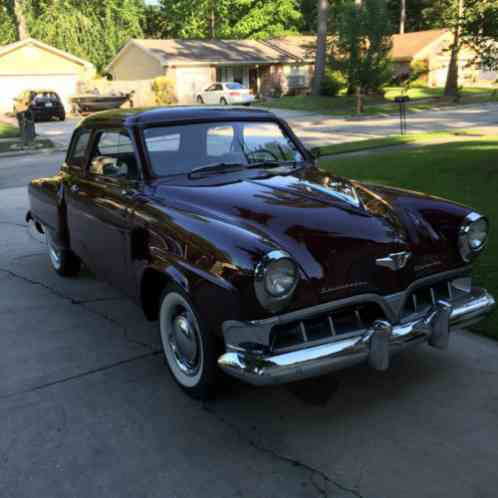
[[333, 82], [361, 50], [257, 19], [480, 30], [164, 91], [87, 28], [7, 25]]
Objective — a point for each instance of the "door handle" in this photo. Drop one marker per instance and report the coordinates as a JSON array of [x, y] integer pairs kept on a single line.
[[75, 188]]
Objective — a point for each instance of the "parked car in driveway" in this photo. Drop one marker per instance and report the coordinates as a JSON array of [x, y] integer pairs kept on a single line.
[[225, 94], [45, 104], [254, 261]]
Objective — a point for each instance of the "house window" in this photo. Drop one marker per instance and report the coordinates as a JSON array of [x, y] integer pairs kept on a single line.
[[296, 76], [487, 73]]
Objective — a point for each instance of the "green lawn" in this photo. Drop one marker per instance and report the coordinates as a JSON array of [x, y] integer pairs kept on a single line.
[[8, 131], [422, 98], [465, 172], [378, 143]]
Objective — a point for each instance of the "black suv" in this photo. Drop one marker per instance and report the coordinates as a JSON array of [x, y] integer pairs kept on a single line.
[[45, 104]]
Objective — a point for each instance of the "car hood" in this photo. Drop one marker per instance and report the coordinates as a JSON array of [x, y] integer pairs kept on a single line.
[[335, 229]]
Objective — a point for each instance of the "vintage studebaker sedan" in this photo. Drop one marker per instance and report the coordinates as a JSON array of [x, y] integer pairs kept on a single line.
[[254, 260]]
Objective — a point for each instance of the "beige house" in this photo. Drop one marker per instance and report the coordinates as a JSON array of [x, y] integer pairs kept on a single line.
[[433, 48], [31, 64], [280, 65]]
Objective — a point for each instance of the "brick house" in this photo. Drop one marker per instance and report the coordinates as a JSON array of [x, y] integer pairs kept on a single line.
[[276, 66]]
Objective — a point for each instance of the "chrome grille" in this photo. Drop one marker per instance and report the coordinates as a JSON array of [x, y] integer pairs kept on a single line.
[[424, 298], [325, 327]]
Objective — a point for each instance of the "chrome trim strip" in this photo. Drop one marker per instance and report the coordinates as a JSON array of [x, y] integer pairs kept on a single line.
[[375, 345]]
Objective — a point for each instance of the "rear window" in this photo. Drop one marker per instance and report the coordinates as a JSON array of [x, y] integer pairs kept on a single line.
[[234, 86]]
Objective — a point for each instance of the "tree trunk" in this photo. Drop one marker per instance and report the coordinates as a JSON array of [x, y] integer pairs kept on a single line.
[[321, 46], [21, 24], [212, 19], [403, 18], [451, 88], [360, 106]]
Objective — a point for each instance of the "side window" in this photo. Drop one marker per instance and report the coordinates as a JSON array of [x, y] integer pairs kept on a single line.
[[219, 88], [219, 140], [78, 151], [113, 156]]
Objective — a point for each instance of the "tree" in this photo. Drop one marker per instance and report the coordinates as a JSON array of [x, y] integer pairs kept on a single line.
[[402, 21], [19, 9], [451, 88], [256, 19], [8, 32], [363, 43], [321, 46], [87, 28], [479, 30]]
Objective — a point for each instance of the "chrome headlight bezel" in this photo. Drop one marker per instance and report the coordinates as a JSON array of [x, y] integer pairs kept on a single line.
[[467, 251], [268, 300]]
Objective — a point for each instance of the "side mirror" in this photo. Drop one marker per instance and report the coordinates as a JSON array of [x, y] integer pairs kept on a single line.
[[102, 165], [316, 152]]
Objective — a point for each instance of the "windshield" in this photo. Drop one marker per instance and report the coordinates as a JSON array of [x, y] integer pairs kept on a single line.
[[177, 150]]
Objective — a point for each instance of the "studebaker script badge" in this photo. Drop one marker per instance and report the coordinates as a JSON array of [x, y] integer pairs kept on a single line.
[[396, 261]]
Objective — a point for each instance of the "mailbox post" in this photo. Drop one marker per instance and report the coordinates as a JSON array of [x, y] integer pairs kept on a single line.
[[402, 101], [26, 121]]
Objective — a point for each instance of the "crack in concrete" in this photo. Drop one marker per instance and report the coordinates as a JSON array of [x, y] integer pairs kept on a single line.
[[82, 303], [80, 375], [314, 472], [22, 225]]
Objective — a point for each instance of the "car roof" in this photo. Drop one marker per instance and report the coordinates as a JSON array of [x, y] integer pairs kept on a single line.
[[172, 115]]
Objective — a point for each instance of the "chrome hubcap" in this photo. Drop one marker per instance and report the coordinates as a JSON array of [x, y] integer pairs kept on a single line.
[[184, 342], [53, 253]]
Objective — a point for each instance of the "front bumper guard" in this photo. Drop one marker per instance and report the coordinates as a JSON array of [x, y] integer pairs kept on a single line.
[[375, 346]]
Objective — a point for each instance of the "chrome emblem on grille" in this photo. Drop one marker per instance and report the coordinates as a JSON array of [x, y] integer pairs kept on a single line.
[[396, 261]]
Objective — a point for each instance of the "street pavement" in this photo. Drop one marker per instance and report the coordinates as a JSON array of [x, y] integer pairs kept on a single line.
[[88, 408], [316, 129]]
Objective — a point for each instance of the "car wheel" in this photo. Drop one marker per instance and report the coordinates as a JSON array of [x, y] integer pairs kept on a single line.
[[223, 101], [200, 100], [62, 117], [188, 348], [63, 261]]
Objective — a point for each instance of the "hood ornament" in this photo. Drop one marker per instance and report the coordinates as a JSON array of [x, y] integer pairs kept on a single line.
[[396, 261]]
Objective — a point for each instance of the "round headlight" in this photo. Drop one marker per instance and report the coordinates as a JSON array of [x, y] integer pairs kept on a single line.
[[473, 236], [280, 277], [275, 280]]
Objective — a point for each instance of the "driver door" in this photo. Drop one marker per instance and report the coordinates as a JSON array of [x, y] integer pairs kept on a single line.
[[100, 206]]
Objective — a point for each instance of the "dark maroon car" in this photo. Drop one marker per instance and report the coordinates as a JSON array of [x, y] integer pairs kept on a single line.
[[253, 260]]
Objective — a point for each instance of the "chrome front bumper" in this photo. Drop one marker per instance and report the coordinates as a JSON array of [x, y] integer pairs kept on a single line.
[[374, 346]]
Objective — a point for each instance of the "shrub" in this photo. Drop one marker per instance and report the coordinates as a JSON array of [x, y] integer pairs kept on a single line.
[[164, 91], [333, 82]]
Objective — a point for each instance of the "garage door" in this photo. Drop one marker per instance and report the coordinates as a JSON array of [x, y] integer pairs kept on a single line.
[[190, 81], [12, 86]]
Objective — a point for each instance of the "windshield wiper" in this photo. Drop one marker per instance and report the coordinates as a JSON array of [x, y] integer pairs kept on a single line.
[[271, 164], [216, 168]]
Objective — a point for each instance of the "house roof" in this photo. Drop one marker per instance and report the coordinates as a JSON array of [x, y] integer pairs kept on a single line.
[[37, 43], [173, 52], [409, 45]]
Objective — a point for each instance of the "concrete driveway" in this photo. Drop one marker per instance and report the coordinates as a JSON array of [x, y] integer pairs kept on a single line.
[[315, 129], [88, 407]]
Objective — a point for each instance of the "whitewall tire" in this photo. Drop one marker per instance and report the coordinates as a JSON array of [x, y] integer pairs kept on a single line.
[[188, 349], [63, 261]]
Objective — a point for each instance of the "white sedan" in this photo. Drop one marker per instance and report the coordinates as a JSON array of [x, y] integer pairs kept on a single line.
[[226, 93]]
